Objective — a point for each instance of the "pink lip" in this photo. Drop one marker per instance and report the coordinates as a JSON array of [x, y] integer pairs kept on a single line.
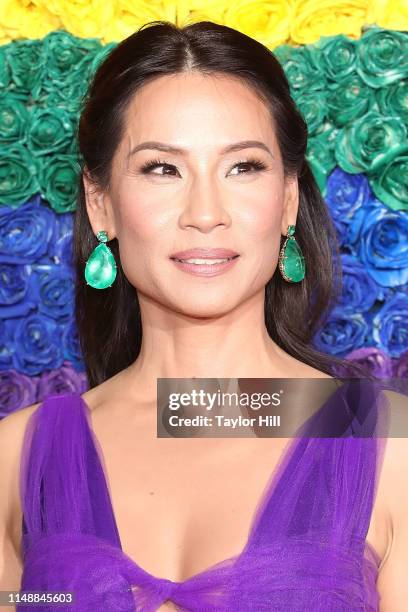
[[204, 253], [206, 269]]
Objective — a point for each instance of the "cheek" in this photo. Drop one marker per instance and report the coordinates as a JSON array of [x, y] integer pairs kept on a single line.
[[140, 220], [262, 220]]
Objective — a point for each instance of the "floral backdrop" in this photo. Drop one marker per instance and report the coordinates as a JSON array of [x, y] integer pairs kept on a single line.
[[347, 65]]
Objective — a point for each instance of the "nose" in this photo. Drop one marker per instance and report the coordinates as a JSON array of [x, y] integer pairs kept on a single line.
[[204, 208]]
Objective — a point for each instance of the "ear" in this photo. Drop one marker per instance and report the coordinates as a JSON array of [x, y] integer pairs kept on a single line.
[[291, 203], [98, 206]]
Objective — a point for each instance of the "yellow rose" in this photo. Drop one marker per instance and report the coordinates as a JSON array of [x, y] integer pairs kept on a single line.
[[25, 19], [390, 14], [131, 15], [200, 10], [266, 21], [83, 18], [316, 18]]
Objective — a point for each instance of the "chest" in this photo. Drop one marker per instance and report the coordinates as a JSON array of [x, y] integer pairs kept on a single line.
[[183, 505]]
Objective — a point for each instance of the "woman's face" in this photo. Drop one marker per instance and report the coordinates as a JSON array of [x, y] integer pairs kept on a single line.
[[161, 202]]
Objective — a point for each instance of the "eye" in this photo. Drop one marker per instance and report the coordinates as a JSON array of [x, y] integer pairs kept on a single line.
[[257, 165], [154, 163]]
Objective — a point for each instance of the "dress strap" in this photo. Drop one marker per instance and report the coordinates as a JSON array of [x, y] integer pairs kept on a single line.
[[63, 487], [325, 486]]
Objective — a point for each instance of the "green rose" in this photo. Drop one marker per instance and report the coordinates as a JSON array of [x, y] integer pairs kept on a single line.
[[390, 184], [51, 131], [100, 56], [393, 100], [302, 70], [63, 78], [349, 99], [69, 96], [382, 56], [363, 146], [320, 155], [23, 58], [59, 180], [313, 108], [283, 53], [337, 56], [14, 120], [4, 68], [18, 175]]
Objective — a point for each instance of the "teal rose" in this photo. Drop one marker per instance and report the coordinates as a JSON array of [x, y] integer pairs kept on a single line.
[[390, 184], [366, 144], [99, 57], [313, 108], [348, 99], [24, 60], [382, 56], [283, 53], [63, 77], [320, 155], [4, 69], [393, 100], [59, 181], [18, 175], [14, 120], [51, 131], [337, 57], [303, 71]]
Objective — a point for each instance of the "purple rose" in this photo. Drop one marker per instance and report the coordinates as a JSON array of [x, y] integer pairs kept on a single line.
[[16, 391], [374, 360], [62, 380]]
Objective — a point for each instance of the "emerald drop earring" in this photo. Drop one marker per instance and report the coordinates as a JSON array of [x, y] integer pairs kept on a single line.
[[291, 260], [100, 268]]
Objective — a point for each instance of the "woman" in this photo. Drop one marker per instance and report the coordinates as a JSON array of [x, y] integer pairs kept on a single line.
[[191, 141]]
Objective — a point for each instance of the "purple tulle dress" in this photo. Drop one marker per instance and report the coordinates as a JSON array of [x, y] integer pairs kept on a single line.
[[306, 547]]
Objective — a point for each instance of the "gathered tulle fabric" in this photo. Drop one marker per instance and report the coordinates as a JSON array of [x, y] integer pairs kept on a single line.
[[306, 546]]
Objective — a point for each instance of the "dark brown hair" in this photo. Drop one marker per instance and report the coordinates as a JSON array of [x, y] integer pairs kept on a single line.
[[108, 321]]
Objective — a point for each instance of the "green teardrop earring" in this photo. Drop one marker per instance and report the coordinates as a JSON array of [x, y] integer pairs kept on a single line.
[[291, 260], [100, 268]]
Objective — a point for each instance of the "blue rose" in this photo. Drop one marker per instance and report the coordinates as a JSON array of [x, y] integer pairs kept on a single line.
[[6, 345], [52, 288], [359, 290], [13, 286], [36, 344], [63, 250], [342, 332], [390, 331], [27, 232], [379, 236], [346, 193]]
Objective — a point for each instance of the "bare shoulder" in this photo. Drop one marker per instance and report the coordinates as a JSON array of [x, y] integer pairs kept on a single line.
[[395, 460], [392, 583], [17, 418], [12, 430]]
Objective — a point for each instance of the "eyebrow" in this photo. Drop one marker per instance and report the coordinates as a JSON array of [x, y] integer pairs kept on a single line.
[[236, 146]]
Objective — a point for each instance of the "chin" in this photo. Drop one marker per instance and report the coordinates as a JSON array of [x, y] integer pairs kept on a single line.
[[202, 311]]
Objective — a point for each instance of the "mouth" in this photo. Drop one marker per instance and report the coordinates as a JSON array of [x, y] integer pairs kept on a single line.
[[200, 261], [204, 266]]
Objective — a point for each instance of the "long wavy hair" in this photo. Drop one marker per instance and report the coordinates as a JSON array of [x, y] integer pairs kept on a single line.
[[109, 321]]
